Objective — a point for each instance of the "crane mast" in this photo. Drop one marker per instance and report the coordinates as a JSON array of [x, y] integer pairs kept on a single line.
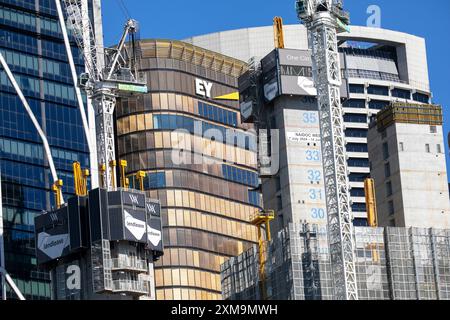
[[323, 19], [103, 84]]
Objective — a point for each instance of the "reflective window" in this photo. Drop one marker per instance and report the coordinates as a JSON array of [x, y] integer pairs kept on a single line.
[[254, 198], [217, 114], [355, 103], [358, 118], [359, 222], [357, 147], [355, 162], [378, 90], [198, 127], [357, 192], [358, 177], [420, 97], [401, 93], [356, 133], [356, 88], [378, 104], [239, 175]]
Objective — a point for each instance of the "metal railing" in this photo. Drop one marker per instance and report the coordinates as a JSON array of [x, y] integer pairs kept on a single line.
[[140, 287], [129, 264]]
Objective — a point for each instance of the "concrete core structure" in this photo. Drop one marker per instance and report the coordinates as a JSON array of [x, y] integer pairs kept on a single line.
[[407, 157]]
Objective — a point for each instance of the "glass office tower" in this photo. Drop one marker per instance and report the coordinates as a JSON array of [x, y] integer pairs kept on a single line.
[[31, 42], [205, 185]]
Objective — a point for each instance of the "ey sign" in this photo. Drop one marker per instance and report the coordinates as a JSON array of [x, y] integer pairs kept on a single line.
[[203, 88]]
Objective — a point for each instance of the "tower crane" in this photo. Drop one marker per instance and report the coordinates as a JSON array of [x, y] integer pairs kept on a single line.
[[323, 20], [110, 73]]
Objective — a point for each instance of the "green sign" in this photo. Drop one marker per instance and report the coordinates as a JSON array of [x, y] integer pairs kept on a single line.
[[133, 88], [342, 25]]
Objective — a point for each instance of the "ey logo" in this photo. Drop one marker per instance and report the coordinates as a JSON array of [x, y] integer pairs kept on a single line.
[[203, 88]]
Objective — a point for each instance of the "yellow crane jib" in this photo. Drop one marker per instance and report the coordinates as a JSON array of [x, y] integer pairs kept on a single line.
[[140, 176], [80, 178], [125, 182], [57, 190], [86, 175], [278, 32]]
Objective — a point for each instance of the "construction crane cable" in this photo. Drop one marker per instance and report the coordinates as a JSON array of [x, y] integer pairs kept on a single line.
[[124, 8]]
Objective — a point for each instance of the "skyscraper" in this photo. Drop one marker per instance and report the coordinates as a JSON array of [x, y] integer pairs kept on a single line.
[[381, 67], [205, 182], [32, 44]]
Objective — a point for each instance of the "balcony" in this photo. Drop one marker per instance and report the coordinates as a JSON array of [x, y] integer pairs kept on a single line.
[[127, 264], [131, 287]]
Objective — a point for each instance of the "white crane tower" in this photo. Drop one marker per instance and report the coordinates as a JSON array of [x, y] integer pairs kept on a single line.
[[110, 73], [324, 19]]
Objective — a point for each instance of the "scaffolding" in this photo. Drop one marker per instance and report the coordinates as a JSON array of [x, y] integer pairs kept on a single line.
[[240, 276], [391, 264], [409, 113], [371, 267], [441, 251]]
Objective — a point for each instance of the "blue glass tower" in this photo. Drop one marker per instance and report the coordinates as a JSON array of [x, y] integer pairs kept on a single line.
[[32, 44]]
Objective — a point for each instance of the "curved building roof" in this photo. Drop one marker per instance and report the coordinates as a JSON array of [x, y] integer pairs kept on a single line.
[[173, 49], [244, 44]]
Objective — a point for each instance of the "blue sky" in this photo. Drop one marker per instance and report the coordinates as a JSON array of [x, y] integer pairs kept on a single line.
[[179, 19]]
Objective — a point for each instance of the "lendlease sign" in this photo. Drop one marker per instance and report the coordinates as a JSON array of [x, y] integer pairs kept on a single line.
[[53, 236], [154, 227], [135, 224], [51, 247], [154, 236]]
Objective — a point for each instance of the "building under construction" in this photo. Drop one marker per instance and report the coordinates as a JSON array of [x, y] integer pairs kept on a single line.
[[391, 264], [408, 165], [101, 246]]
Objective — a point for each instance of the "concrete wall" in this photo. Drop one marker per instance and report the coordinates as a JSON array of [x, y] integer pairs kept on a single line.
[[302, 191], [419, 178]]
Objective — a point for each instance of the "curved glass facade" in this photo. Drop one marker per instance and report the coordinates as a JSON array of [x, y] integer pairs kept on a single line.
[[31, 42], [200, 162]]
